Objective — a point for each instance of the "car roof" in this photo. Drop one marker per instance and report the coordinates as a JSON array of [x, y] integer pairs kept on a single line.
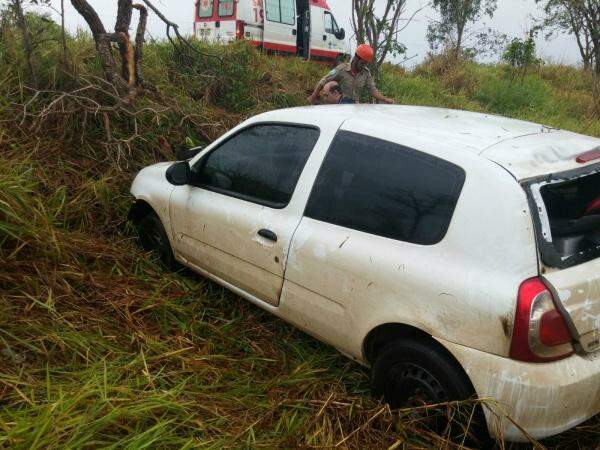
[[525, 149]]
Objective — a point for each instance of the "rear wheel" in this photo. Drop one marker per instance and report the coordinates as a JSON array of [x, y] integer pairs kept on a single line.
[[414, 373], [153, 237]]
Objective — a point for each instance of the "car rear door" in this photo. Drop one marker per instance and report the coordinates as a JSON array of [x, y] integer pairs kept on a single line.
[[280, 26], [237, 219]]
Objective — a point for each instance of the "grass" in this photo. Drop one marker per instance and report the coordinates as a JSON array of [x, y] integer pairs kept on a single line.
[[99, 345]]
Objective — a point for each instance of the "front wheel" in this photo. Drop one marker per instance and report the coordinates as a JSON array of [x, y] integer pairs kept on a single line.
[[411, 374], [153, 237]]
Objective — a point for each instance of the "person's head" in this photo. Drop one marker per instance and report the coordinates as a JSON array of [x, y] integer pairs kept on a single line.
[[364, 55], [332, 93]]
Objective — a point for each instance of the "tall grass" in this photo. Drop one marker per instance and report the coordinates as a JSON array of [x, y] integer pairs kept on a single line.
[[99, 345]]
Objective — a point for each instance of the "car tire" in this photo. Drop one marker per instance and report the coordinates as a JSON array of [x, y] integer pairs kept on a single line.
[[411, 373], [153, 237]]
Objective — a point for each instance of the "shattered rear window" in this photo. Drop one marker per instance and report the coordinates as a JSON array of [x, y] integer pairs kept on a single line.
[[567, 213]]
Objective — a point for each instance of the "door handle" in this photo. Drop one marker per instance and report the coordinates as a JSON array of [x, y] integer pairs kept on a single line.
[[268, 234], [294, 31], [324, 37]]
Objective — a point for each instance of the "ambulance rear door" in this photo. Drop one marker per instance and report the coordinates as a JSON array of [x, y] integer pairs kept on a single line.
[[216, 21]]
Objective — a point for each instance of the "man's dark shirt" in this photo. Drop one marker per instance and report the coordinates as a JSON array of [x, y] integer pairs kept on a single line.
[[346, 100]]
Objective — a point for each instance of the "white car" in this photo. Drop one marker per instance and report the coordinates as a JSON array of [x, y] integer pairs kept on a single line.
[[455, 253]]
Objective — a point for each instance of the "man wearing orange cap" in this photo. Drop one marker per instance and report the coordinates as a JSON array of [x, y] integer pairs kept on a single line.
[[353, 77]]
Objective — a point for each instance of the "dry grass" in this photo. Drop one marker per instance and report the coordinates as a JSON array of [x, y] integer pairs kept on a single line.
[[99, 345]]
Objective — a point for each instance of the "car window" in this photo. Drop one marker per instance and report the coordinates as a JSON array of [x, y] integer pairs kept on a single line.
[[282, 11], [205, 9], [261, 164], [385, 189], [225, 8], [330, 23]]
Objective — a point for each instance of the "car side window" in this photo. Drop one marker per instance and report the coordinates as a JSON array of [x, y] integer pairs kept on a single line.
[[260, 164], [385, 189]]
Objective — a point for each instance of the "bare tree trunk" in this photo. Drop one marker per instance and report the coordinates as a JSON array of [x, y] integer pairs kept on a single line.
[[125, 48], [63, 33], [101, 38], [139, 42], [380, 32], [459, 37], [22, 23]]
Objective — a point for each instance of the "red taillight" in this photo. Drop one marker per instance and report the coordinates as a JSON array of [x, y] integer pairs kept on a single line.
[[553, 330], [540, 332], [239, 29], [588, 156], [593, 208]]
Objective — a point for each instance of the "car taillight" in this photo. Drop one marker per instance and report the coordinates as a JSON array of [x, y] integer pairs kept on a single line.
[[239, 29], [540, 332]]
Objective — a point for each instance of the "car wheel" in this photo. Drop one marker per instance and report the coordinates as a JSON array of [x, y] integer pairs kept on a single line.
[[153, 237], [412, 373]]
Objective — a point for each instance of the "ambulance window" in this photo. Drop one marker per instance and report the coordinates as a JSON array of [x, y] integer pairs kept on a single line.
[[288, 12], [205, 9], [282, 11], [225, 8], [330, 23], [273, 13]]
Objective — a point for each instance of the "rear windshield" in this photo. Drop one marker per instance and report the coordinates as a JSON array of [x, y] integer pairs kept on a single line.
[[205, 9], [568, 218], [225, 8]]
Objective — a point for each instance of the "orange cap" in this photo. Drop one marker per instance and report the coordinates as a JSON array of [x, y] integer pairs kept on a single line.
[[365, 52]]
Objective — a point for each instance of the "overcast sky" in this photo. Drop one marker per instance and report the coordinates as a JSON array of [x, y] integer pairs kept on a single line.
[[513, 17]]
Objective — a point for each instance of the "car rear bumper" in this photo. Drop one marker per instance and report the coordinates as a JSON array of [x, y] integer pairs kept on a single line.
[[544, 399]]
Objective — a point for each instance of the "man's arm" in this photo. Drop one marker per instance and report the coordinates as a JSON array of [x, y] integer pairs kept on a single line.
[[375, 92], [312, 98], [382, 98], [331, 76]]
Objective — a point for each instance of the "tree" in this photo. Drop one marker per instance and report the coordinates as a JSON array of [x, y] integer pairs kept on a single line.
[[455, 15], [130, 75], [22, 20], [520, 56], [580, 18], [130, 56], [17, 6], [380, 31]]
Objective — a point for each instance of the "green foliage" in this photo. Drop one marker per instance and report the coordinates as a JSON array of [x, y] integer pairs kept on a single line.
[[520, 56], [503, 97], [455, 15], [580, 18]]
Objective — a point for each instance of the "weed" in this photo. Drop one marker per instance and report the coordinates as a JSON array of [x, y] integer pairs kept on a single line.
[[99, 345]]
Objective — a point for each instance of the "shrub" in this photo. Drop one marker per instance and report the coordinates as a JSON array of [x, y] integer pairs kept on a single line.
[[503, 97]]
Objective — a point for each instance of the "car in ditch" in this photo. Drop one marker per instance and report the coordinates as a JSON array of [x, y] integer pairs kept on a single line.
[[456, 254]]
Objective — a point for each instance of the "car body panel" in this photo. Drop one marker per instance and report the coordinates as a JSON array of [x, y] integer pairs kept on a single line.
[[360, 281], [540, 154], [578, 290], [151, 186], [219, 233], [543, 399]]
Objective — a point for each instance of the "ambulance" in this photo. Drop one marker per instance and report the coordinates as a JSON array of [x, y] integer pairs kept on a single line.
[[306, 28]]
